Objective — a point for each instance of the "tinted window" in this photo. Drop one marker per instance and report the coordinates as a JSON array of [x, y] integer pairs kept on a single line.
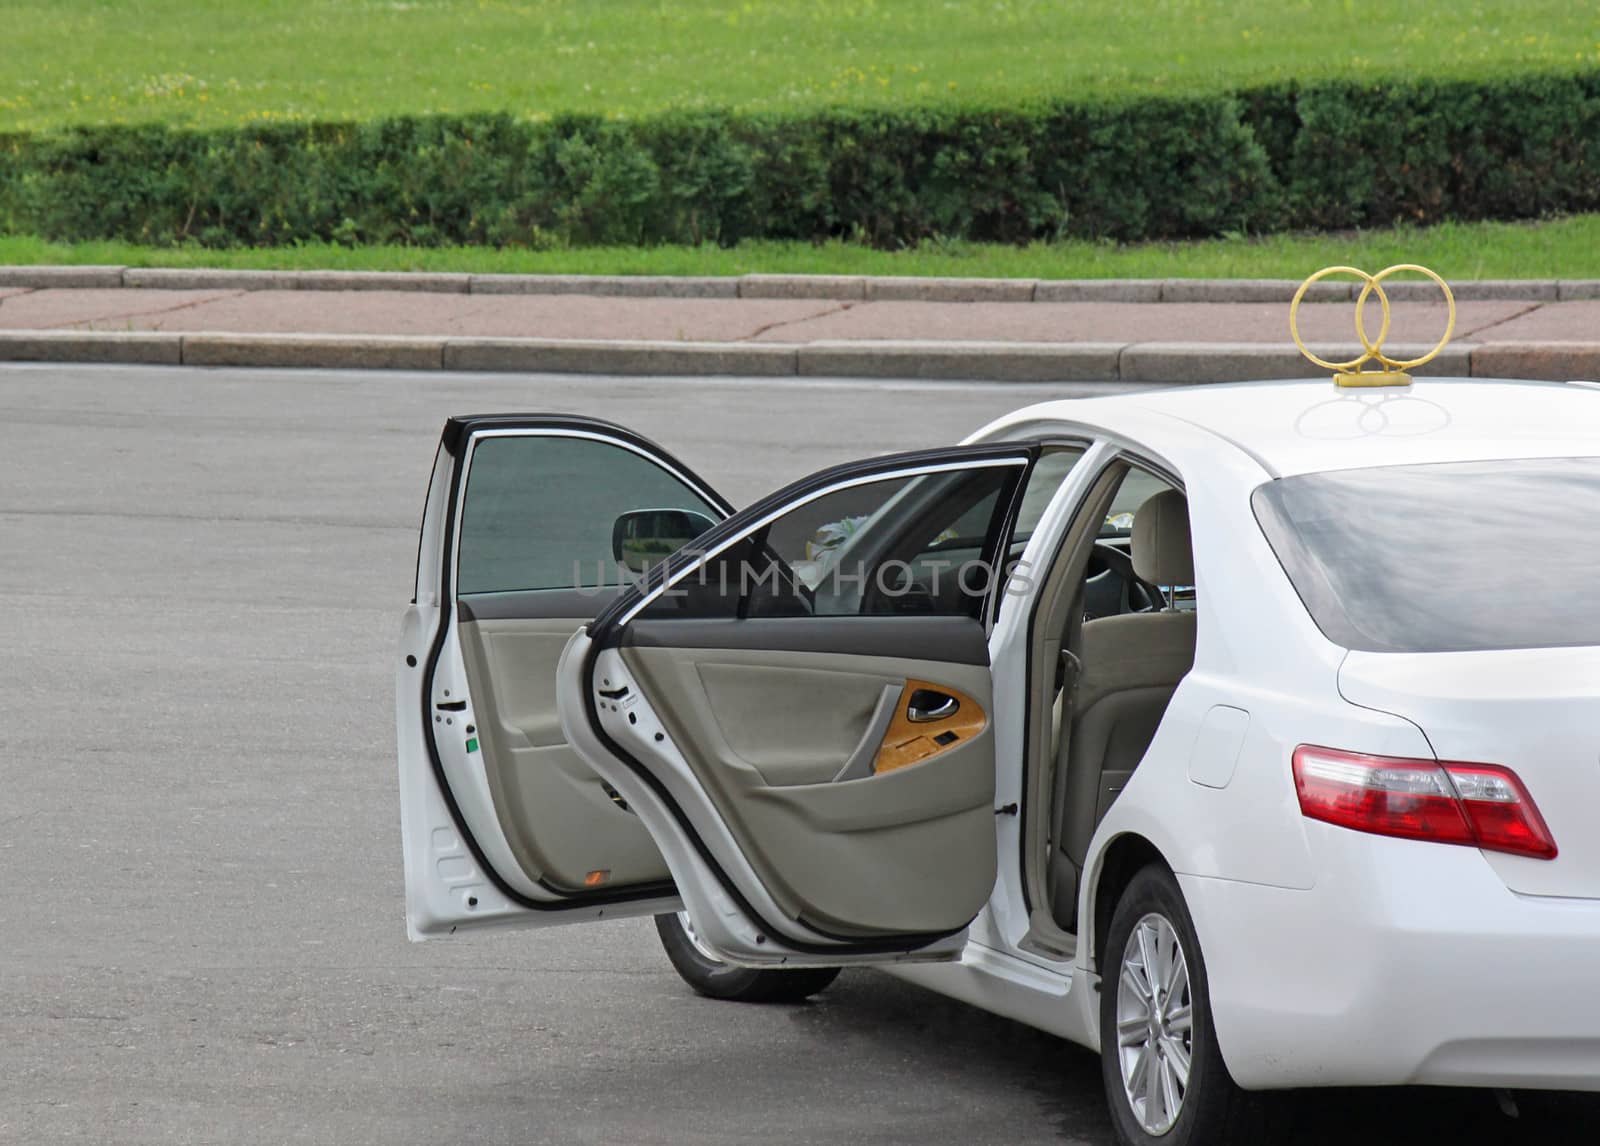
[[1435, 558], [1049, 472], [921, 545], [539, 511]]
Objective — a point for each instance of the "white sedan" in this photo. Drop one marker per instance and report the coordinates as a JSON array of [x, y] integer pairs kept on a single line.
[[1248, 734]]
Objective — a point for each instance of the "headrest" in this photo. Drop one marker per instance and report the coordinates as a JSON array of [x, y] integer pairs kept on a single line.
[[1162, 554]]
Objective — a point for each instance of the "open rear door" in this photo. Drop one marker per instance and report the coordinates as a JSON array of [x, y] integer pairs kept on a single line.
[[797, 707], [503, 823]]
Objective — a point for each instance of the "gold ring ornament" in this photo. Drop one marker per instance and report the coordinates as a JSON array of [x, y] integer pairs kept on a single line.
[[1390, 371]]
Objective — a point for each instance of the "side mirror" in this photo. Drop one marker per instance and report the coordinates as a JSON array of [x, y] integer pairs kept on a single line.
[[645, 537]]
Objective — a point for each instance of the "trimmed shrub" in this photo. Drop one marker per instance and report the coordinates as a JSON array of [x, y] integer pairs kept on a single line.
[[1284, 156], [1428, 151], [1158, 169]]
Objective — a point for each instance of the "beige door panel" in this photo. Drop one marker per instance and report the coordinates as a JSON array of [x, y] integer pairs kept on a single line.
[[766, 716], [521, 656], [925, 876], [766, 732], [560, 821]]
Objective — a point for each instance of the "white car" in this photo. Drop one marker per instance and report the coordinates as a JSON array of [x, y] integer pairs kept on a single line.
[[1249, 734]]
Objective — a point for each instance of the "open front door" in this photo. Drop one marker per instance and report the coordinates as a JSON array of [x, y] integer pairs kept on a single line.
[[503, 823], [797, 707]]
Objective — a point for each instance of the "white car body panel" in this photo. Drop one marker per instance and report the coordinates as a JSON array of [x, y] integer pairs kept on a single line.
[[1408, 963], [1313, 426], [1334, 957]]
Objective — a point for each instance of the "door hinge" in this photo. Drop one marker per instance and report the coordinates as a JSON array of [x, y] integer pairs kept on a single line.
[[1006, 810]]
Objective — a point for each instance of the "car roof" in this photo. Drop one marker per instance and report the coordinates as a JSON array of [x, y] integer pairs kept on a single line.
[[1294, 427]]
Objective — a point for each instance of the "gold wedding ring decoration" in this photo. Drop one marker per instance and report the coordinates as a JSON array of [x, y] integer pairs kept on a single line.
[[1389, 371]]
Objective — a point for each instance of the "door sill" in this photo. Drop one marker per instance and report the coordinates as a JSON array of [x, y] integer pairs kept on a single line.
[[1044, 938]]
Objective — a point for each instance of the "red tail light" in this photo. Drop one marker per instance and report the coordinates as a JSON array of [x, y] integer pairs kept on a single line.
[[1480, 805]]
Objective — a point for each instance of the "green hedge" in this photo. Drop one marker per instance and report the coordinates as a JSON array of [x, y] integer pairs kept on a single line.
[[1329, 155]]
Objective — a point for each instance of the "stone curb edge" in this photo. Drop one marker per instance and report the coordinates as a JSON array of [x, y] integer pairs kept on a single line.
[[1140, 362], [839, 287]]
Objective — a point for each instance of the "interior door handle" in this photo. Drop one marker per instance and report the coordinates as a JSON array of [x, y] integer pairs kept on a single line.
[[926, 704]]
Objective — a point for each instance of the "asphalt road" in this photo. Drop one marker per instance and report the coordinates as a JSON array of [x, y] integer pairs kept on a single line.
[[200, 888]]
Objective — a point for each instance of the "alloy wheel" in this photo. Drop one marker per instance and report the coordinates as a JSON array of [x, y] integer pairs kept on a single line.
[[1155, 1023]]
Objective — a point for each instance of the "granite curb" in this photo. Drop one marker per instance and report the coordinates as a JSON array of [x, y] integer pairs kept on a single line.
[[1141, 362], [836, 287]]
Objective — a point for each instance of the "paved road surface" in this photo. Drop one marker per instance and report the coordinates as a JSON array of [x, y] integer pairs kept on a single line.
[[200, 890]]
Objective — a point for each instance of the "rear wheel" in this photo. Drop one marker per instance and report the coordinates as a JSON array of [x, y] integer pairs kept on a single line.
[[1164, 1075], [710, 976]]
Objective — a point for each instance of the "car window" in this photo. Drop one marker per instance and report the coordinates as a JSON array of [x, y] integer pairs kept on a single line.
[[1108, 590], [919, 545], [1445, 557], [1138, 487], [539, 511], [1048, 473]]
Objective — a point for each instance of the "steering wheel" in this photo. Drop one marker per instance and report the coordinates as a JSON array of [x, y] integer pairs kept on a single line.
[[1140, 596]]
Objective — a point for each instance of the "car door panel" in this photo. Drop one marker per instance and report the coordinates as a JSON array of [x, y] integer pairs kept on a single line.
[[503, 823], [946, 639], [563, 824], [577, 605], [794, 723], [775, 758], [903, 852], [732, 906]]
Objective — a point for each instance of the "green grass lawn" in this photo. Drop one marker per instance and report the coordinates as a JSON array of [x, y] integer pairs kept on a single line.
[[232, 61], [1565, 248]]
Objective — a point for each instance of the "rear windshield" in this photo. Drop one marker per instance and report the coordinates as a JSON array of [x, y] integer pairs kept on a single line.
[[1443, 558]]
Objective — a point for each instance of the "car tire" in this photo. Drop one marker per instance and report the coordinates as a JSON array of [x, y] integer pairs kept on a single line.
[[715, 979], [1152, 923]]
